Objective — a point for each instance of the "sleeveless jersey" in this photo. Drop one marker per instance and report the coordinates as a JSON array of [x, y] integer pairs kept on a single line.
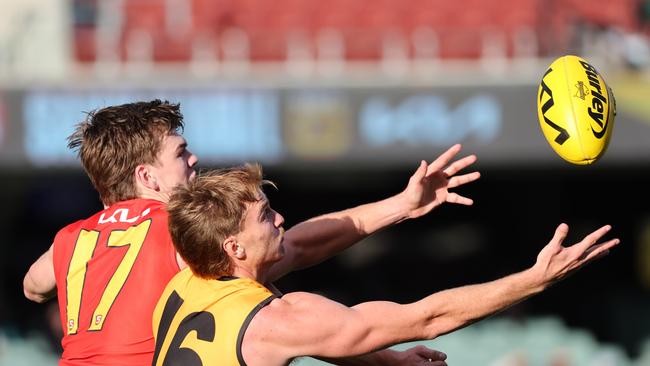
[[110, 270], [202, 322]]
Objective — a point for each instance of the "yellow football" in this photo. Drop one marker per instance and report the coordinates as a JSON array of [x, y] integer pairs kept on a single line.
[[576, 110]]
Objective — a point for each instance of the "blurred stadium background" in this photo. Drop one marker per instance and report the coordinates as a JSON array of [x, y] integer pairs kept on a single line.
[[340, 99]]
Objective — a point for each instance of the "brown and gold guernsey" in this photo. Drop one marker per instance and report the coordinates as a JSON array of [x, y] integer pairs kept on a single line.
[[202, 322]]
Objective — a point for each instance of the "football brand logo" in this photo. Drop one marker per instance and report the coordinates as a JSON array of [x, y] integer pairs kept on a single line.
[[582, 90], [563, 135], [598, 102]]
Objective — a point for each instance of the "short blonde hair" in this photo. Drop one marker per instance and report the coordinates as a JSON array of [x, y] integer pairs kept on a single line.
[[208, 210]]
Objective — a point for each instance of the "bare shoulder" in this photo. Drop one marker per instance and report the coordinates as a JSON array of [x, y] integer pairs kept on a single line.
[[301, 307], [290, 326], [300, 299], [294, 306]]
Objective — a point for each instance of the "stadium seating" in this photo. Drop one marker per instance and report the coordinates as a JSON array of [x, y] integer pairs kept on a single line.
[[16, 351], [498, 341], [276, 30]]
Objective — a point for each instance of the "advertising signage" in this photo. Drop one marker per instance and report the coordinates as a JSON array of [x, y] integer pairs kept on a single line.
[[297, 126]]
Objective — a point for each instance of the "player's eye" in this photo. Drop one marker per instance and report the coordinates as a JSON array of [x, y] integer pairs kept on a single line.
[[268, 213]]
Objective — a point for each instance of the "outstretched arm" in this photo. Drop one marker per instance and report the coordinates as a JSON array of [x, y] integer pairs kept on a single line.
[[39, 284], [317, 239], [456, 308], [386, 357], [306, 324]]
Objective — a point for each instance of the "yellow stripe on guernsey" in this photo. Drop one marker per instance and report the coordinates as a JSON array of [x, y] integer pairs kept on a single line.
[[201, 321]]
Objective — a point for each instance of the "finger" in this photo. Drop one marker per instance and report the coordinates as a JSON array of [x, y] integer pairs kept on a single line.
[[463, 179], [560, 234], [459, 165], [600, 250], [438, 356], [420, 172], [444, 159], [430, 354], [592, 238], [458, 199]]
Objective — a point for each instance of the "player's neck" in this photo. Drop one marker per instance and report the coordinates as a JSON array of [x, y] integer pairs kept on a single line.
[[256, 274], [154, 195]]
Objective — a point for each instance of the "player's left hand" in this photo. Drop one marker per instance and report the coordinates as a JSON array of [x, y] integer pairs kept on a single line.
[[421, 355], [429, 186], [556, 261]]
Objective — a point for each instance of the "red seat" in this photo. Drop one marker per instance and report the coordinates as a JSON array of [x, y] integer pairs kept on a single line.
[[459, 25], [84, 42]]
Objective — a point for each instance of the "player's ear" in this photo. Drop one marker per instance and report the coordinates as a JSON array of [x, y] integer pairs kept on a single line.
[[145, 178], [233, 248]]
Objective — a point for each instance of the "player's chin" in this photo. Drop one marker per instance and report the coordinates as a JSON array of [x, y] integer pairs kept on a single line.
[[281, 249], [277, 255]]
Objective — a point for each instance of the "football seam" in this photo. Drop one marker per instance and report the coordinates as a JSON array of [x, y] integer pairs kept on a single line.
[[574, 124]]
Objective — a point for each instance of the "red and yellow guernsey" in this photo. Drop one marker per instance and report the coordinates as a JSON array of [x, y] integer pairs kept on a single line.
[[110, 271]]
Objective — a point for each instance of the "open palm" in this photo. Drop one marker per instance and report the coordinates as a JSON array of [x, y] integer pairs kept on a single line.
[[429, 186], [556, 261]]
